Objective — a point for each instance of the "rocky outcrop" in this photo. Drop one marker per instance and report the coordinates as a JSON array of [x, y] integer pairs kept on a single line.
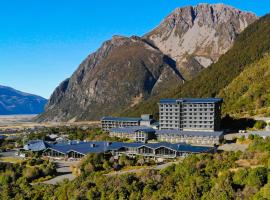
[[199, 35]]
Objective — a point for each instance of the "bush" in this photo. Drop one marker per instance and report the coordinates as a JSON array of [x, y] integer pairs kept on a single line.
[[251, 137], [259, 125]]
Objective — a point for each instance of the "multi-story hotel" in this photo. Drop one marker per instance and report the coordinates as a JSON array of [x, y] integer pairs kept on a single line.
[[190, 114]]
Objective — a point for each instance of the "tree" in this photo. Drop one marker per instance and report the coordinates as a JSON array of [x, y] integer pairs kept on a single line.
[[257, 177], [239, 177]]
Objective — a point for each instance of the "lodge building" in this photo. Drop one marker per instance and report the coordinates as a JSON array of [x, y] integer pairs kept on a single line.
[[152, 150]]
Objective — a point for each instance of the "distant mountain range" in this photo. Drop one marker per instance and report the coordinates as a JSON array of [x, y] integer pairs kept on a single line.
[[16, 102], [126, 72]]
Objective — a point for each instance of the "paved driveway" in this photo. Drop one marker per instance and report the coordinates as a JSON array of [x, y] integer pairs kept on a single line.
[[64, 171]]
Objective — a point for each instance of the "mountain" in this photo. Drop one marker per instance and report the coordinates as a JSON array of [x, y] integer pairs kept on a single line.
[[121, 73], [240, 76], [195, 37], [125, 71], [16, 102]]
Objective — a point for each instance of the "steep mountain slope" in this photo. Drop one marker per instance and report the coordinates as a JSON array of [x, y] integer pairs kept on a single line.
[[195, 37], [126, 71], [15, 102], [249, 93], [120, 74], [250, 46]]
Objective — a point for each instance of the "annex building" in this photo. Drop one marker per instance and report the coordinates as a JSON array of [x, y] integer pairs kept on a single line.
[[209, 138], [143, 134], [114, 122], [135, 133]]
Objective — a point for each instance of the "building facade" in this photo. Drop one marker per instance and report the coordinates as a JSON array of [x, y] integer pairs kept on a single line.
[[190, 137], [143, 134], [190, 114], [115, 122], [136, 133]]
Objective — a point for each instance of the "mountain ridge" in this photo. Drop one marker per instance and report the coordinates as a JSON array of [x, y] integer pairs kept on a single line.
[[13, 101]]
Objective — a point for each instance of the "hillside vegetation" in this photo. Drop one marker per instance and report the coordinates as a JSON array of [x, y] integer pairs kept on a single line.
[[221, 176], [250, 46], [248, 94]]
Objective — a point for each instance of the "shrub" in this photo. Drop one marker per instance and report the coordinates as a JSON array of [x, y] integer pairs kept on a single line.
[[259, 125], [251, 137]]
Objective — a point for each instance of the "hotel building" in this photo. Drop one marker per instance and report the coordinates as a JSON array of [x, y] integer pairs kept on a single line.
[[190, 114]]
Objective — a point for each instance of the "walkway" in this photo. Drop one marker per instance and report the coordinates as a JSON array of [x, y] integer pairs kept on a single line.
[[64, 172]]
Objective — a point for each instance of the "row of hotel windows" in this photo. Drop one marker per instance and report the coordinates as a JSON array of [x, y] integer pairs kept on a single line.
[[187, 105], [183, 118], [165, 113], [184, 110], [184, 122], [186, 126]]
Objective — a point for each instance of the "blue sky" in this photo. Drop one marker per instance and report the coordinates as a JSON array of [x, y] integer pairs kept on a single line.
[[43, 42]]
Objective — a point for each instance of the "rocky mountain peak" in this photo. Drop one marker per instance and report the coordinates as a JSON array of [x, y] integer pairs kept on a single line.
[[196, 36]]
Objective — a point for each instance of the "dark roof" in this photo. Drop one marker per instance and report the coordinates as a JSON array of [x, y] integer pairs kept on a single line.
[[192, 100], [104, 146], [194, 149], [132, 129], [126, 119], [190, 133], [81, 147], [183, 147], [2, 137], [119, 145], [36, 145]]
